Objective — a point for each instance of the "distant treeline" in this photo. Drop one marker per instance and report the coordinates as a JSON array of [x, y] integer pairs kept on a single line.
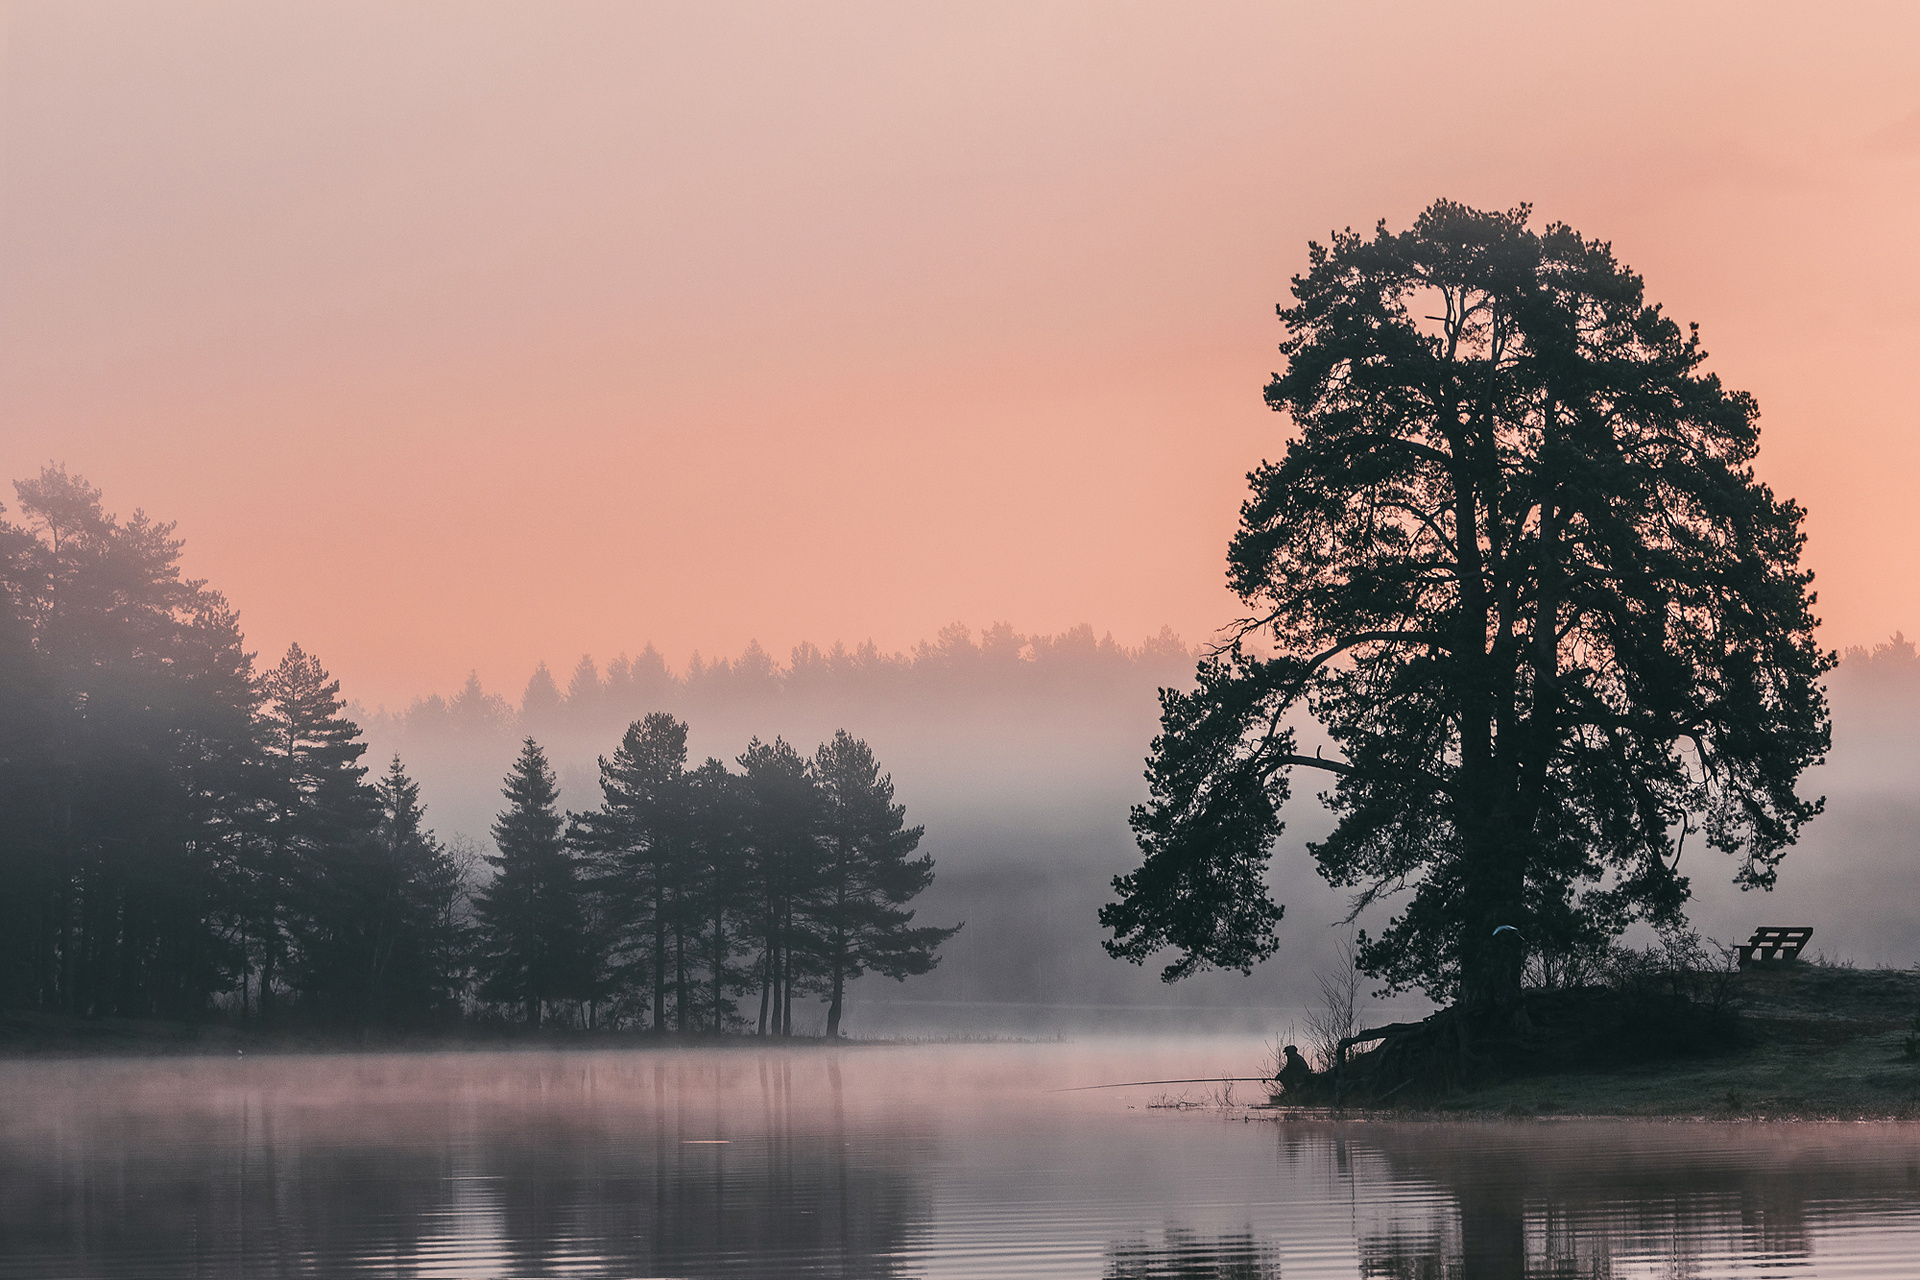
[[180, 835], [999, 662]]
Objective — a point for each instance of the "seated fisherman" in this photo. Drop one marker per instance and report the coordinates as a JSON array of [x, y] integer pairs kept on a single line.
[[1295, 1074]]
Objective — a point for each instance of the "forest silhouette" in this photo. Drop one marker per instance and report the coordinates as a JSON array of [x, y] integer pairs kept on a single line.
[[183, 836]]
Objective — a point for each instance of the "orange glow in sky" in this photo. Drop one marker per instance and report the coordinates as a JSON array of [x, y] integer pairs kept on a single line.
[[469, 335]]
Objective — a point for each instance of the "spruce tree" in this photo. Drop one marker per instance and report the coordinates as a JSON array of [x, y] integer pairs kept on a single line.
[[719, 892], [638, 839], [867, 871], [533, 944], [321, 815], [416, 957], [783, 816]]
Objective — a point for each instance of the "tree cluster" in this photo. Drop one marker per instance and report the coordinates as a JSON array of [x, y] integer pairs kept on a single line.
[[688, 889], [180, 833], [176, 830]]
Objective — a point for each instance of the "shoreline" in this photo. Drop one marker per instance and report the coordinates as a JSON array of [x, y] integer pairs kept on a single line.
[[1817, 1042], [38, 1037]]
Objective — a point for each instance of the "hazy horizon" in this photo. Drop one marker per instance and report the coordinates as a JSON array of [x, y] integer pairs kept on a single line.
[[1024, 774]]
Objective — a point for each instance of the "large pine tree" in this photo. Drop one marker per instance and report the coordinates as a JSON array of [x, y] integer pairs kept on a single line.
[[867, 871], [1517, 562], [533, 939]]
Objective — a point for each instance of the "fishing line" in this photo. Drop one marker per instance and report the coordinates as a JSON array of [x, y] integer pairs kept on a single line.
[[1134, 1084]]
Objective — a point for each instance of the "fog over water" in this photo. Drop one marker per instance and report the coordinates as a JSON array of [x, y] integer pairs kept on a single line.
[[1022, 756], [926, 1160]]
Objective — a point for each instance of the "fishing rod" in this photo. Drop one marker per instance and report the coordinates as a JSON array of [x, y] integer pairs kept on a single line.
[[1134, 1084]]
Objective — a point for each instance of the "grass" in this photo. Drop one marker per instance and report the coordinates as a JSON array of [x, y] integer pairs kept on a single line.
[[1822, 1041]]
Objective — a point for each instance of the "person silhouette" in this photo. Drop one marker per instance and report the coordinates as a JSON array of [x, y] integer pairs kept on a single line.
[[1294, 1074]]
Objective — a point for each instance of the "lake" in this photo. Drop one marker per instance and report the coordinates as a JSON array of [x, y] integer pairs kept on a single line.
[[938, 1160]]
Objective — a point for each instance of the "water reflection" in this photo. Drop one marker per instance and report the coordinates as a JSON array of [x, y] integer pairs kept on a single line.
[[1185, 1255], [936, 1161], [1598, 1199]]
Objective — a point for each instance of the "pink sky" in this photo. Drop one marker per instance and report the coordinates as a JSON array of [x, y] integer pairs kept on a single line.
[[469, 335]]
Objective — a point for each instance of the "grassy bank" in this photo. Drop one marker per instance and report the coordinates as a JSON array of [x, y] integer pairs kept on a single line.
[[1818, 1042]]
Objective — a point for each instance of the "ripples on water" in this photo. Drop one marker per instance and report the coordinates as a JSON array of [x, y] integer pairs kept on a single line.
[[948, 1161]]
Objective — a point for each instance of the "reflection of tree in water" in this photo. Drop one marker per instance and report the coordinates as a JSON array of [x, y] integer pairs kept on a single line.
[[537, 1179], [1568, 1203], [1187, 1255], [248, 1202], [664, 1199], [701, 1213]]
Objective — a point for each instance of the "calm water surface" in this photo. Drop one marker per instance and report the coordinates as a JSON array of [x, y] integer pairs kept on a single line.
[[939, 1160]]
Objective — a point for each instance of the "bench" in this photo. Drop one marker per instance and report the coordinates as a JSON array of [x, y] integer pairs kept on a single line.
[[1774, 942]]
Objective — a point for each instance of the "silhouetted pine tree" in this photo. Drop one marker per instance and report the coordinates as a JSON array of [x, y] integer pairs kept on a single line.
[[1517, 565], [719, 889], [319, 834], [418, 944], [867, 871], [541, 706], [638, 840], [783, 814], [533, 942]]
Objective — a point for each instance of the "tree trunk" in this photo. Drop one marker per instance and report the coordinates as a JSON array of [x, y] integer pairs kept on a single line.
[[1490, 965], [780, 960], [265, 1001], [786, 970], [69, 957], [679, 974], [766, 985], [659, 966], [833, 1009], [786, 994], [719, 966]]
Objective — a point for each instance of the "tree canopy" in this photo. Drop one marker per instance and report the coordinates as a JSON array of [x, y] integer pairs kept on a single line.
[[1516, 563]]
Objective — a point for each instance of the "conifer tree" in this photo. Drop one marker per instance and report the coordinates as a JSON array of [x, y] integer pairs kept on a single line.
[[541, 704], [638, 839], [867, 871], [720, 898], [416, 957], [586, 692], [783, 816], [533, 943], [320, 815]]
